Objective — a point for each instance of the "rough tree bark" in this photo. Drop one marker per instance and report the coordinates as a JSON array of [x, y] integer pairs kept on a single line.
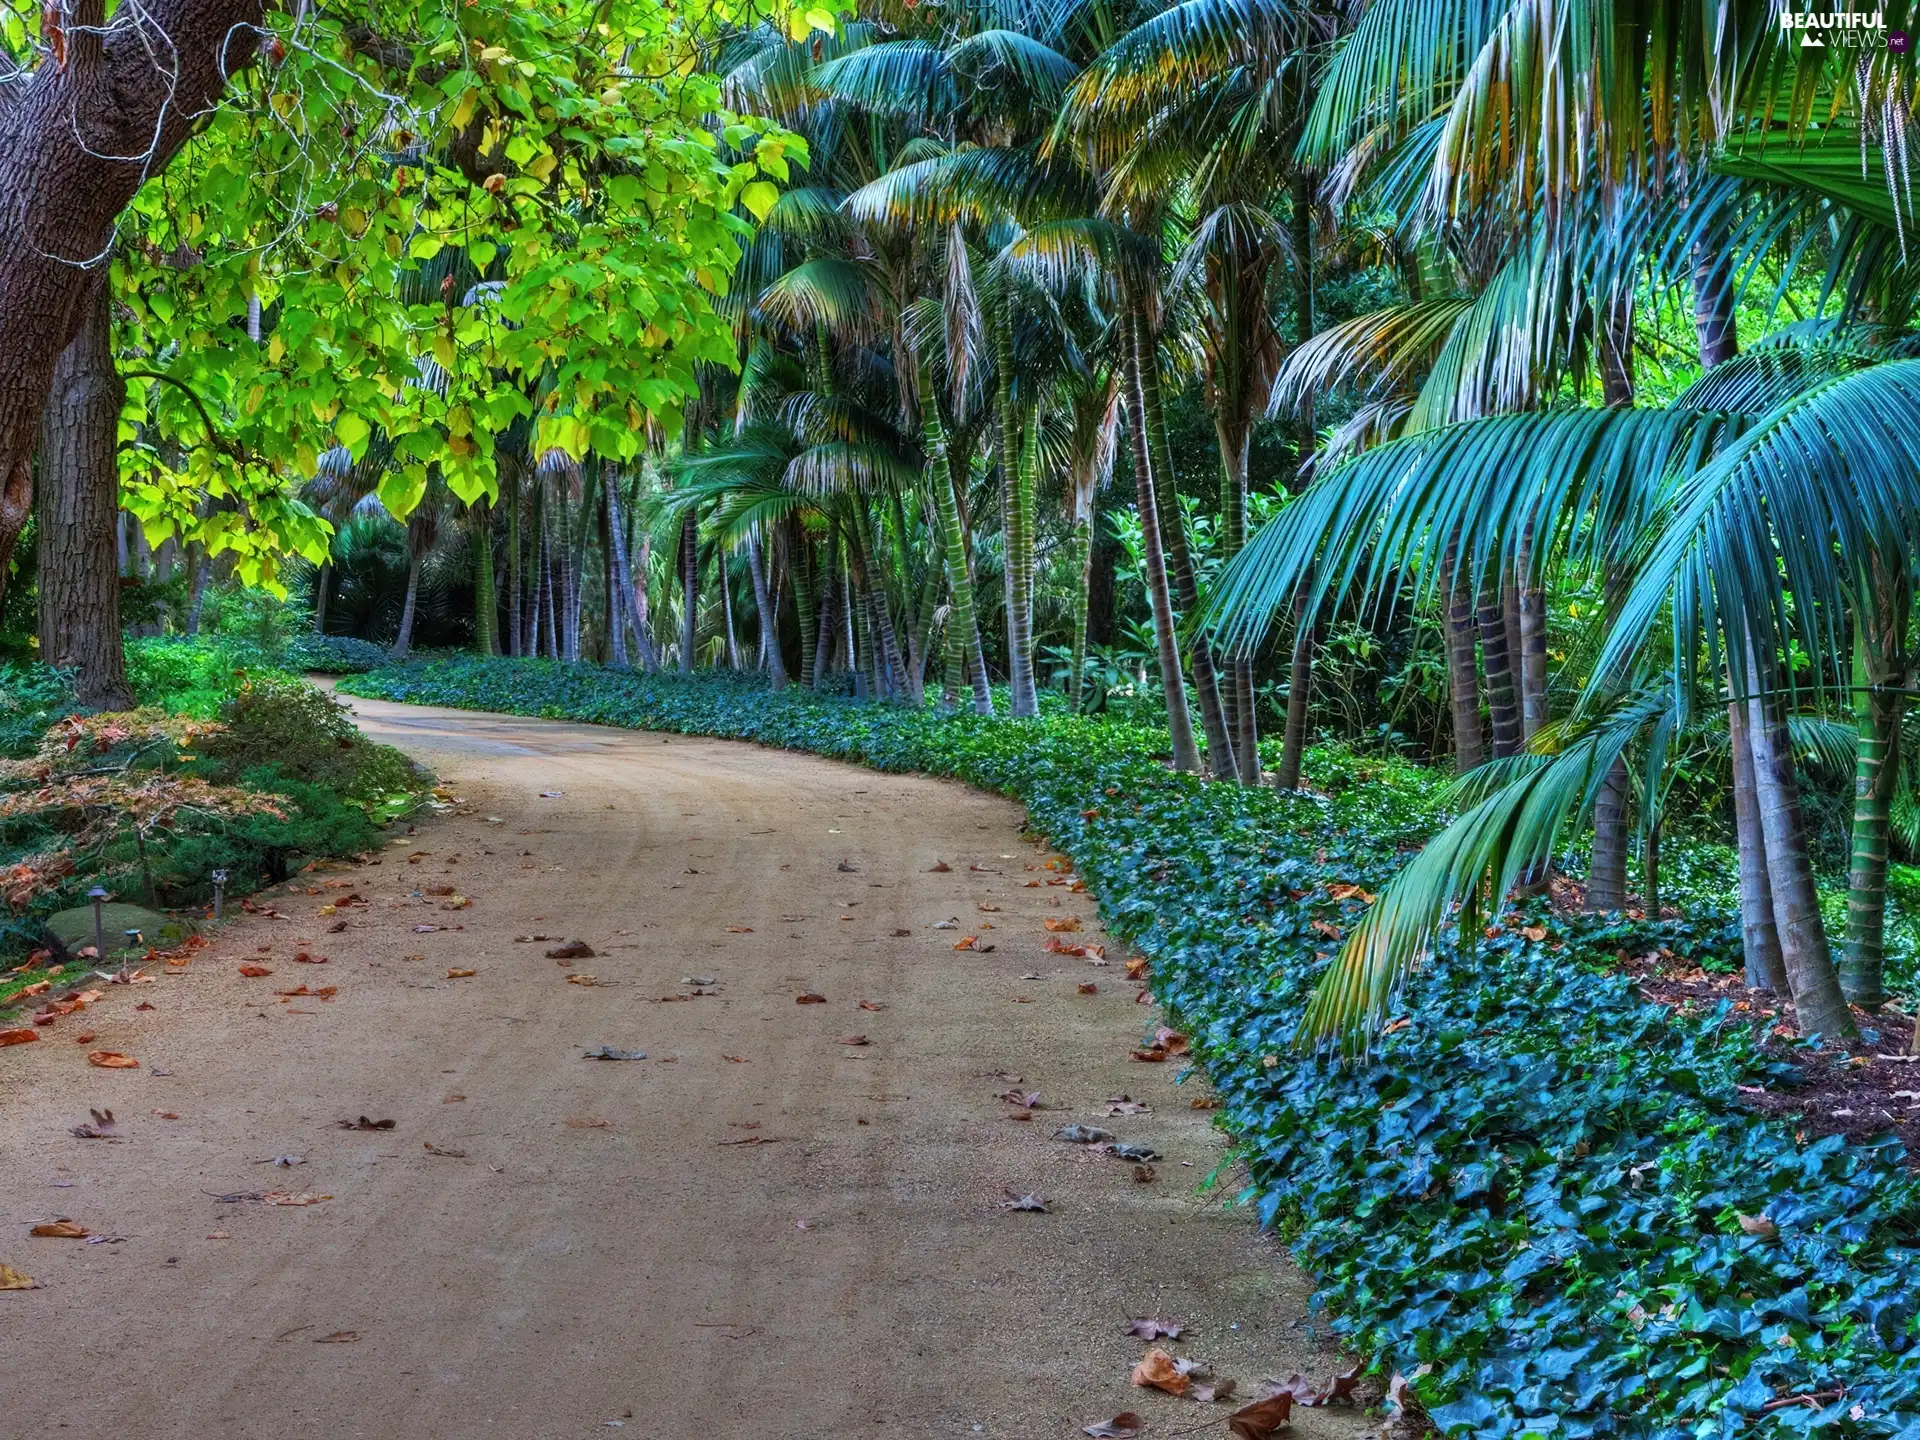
[[79, 501], [76, 141]]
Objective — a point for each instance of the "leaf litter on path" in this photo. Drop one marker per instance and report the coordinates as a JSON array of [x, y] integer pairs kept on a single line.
[[1033, 1204], [12, 1279], [1124, 1426], [608, 1052]]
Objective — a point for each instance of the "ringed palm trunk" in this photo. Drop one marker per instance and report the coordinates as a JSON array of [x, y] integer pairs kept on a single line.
[[1083, 570], [1234, 436], [1879, 642], [689, 590], [1293, 740], [1463, 671], [944, 482], [1160, 601], [486, 604], [799, 568], [1173, 534], [1501, 699], [516, 582], [1817, 999], [78, 502], [1017, 516], [1759, 935]]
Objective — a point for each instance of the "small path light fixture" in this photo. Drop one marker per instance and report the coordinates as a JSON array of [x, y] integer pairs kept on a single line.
[[98, 895], [219, 893]]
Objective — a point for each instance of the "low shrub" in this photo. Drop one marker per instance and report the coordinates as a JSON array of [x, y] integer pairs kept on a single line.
[[1539, 1194]]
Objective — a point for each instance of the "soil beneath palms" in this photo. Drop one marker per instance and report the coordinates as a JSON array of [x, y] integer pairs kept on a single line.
[[758, 1230]]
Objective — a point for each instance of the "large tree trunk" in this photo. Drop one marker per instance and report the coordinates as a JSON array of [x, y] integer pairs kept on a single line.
[[1817, 1000], [78, 502], [1160, 600], [1173, 536], [77, 139], [1879, 679], [1759, 936]]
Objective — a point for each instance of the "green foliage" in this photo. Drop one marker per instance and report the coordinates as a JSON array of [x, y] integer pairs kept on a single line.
[[1533, 1186], [286, 727], [32, 697]]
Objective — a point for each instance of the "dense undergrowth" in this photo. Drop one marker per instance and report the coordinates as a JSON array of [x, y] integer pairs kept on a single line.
[[225, 767], [1538, 1186]]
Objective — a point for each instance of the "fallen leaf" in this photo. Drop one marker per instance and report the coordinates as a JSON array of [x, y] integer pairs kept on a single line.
[[739, 929], [291, 1197], [303, 958], [1136, 969], [1032, 1203], [1171, 1041], [12, 1279], [871, 1005], [967, 942], [165, 1115], [1061, 922], [1263, 1419], [254, 972], [1123, 1426], [219, 1235], [572, 950], [1087, 987], [102, 1127], [1084, 1135], [736, 1059], [1149, 1329], [85, 1037], [433, 1149], [457, 972], [809, 998], [853, 1040], [1216, 1392], [61, 1230], [939, 867], [338, 1337], [607, 1052], [1158, 1371], [583, 979], [1154, 1056], [22, 1036], [1758, 1226], [363, 1123], [112, 1060]]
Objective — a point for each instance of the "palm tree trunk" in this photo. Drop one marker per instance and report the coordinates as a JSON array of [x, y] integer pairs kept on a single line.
[[620, 612], [769, 619], [1879, 643], [1173, 533], [1083, 568], [203, 572], [1017, 516], [1234, 434], [1818, 1003], [945, 483], [1533, 640], [1463, 671], [829, 629], [1759, 936], [486, 603], [403, 642], [689, 590], [1159, 599], [726, 606], [642, 608], [1293, 740], [799, 568], [516, 638], [1501, 700], [886, 644]]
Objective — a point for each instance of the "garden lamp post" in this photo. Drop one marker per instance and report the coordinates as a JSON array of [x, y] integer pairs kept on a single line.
[[98, 895], [219, 893]]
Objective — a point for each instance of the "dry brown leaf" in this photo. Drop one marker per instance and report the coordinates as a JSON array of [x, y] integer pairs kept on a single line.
[[112, 1060], [292, 1197], [1154, 1056], [12, 1279], [22, 1036], [458, 972], [939, 867], [1123, 1426], [1151, 1329], [1171, 1041], [809, 997], [739, 929], [1136, 969], [254, 972], [853, 1040], [1159, 1371], [338, 1337], [1263, 1419], [1061, 922], [61, 1230], [871, 1005], [1758, 1226], [1087, 987]]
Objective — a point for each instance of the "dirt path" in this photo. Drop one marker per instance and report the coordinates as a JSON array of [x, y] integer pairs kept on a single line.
[[606, 1253]]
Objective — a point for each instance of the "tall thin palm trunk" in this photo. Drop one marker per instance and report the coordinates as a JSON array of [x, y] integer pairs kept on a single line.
[[1083, 570], [1818, 1002], [1234, 435], [1759, 935], [510, 494], [775, 663], [486, 603], [1879, 699], [403, 642], [1160, 599], [1293, 738], [689, 590], [1501, 700], [1017, 518], [829, 629], [799, 568], [1463, 670], [1532, 659], [1173, 535], [946, 483]]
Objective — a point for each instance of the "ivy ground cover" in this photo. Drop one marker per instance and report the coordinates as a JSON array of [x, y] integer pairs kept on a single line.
[[1539, 1195]]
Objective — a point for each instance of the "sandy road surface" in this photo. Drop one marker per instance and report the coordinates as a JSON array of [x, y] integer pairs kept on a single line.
[[601, 1253]]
